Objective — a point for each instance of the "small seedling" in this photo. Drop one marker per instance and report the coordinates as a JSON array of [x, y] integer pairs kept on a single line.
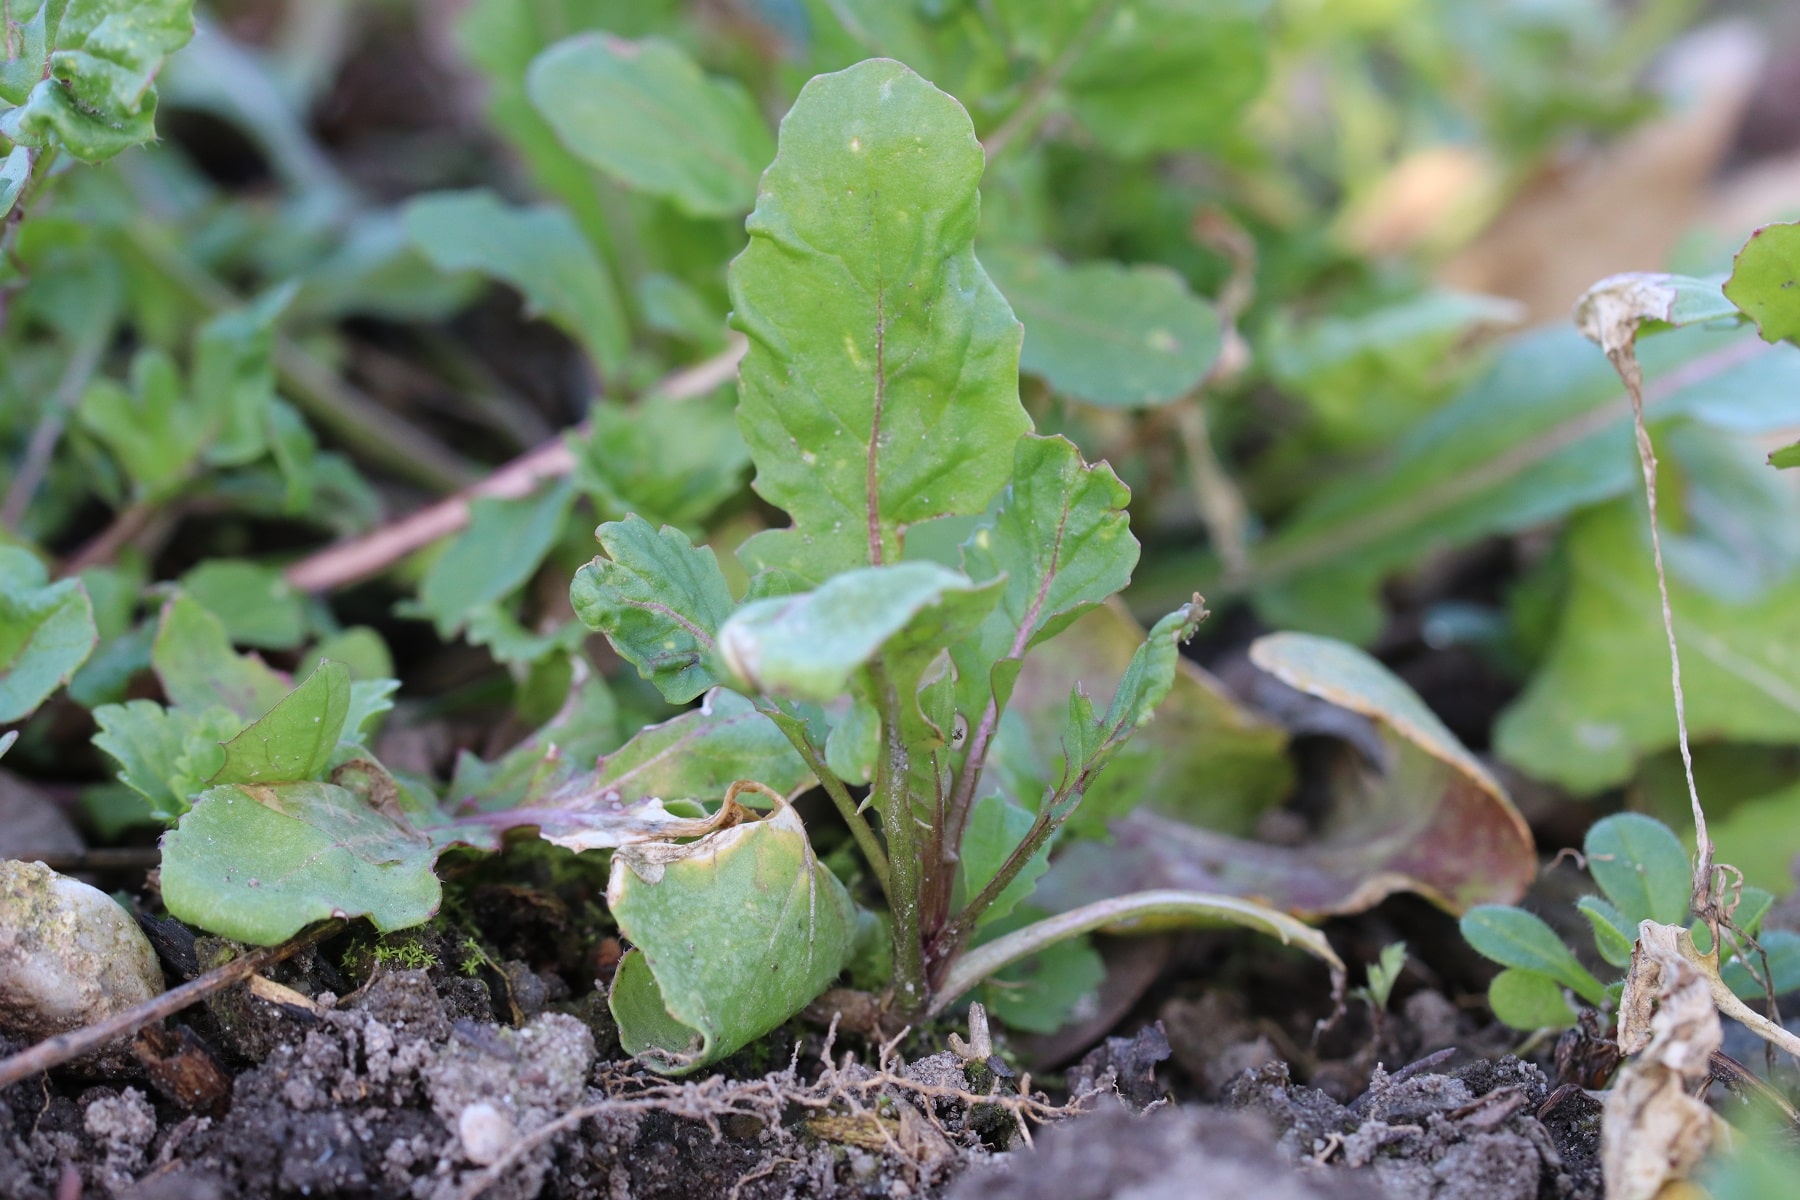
[[1644, 875], [1383, 974]]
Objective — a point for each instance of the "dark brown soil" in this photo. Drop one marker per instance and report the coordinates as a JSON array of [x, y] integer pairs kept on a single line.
[[407, 1088]]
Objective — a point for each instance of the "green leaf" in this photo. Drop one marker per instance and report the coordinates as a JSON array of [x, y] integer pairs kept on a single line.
[[295, 739], [502, 547], [1542, 433], [539, 252], [644, 113], [1429, 818], [671, 462], [1200, 732], [659, 600], [701, 753], [193, 659], [1150, 75], [46, 631], [1107, 334], [1642, 867], [1368, 376], [256, 603], [706, 986], [1782, 947], [1148, 677], [165, 755], [1601, 699], [1062, 539], [996, 827], [234, 378], [15, 171], [1787, 456], [1613, 935], [153, 430], [83, 72], [259, 863], [881, 384], [809, 646], [1529, 1000], [1513, 937], [1042, 993], [1762, 282]]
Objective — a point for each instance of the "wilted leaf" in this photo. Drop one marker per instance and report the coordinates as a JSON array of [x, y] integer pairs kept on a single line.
[[878, 346], [538, 252], [504, 543], [293, 740], [659, 600], [809, 646], [1602, 698], [1041, 993], [259, 863], [1427, 818], [1107, 334], [1762, 282], [46, 631], [699, 984], [198, 669], [644, 113], [83, 74]]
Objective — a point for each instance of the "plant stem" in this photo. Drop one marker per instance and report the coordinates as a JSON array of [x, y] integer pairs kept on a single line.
[[54, 1051], [846, 804], [1038, 92], [893, 798], [1164, 907], [81, 366], [369, 431]]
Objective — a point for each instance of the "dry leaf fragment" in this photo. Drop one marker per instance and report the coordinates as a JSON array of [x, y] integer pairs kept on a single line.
[[1655, 1131]]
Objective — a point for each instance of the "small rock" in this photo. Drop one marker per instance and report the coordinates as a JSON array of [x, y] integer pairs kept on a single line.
[[486, 1132], [69, 955]]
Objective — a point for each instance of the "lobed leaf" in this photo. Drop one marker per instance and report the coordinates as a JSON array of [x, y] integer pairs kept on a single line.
[[46, 631], [659, 600], [644, 113], [1107, 334], [165, 755], [82, 72], [880, 388]]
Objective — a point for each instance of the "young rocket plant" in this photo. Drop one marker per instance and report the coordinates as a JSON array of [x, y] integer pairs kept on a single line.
[[879, 392]]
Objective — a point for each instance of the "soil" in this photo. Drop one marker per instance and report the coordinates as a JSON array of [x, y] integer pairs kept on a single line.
[[408, 1086]]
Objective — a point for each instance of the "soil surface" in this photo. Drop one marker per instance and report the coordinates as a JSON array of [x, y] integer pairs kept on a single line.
[[409, 1087]]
